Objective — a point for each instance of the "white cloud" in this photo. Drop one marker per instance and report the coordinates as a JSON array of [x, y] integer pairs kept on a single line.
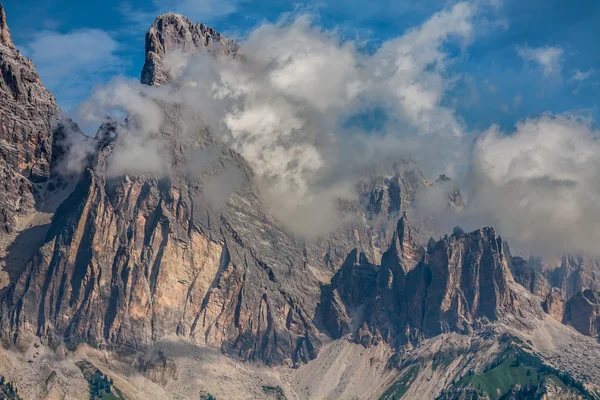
[[549, 58], [71, 63], [283, 108], [581, 76], [540, 185]]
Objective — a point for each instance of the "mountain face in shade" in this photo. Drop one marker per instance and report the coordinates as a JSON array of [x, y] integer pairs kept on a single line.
[[582, 311], [458, 284]]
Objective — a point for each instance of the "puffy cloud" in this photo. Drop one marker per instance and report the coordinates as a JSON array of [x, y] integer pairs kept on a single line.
[[285, 108], [540, 185], [70, 63], [548, 57], [139, 148]]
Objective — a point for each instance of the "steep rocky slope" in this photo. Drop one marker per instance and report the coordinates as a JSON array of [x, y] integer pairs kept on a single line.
[[172, 33], [28, 113], [458, 284], [582, 311]]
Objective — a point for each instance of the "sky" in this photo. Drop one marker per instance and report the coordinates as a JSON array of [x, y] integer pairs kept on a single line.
[[539, 55]]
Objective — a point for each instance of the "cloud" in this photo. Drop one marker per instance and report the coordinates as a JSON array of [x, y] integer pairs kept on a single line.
[[539, 185], [549, 58], [70, 63], [286, 105], [579, 76]]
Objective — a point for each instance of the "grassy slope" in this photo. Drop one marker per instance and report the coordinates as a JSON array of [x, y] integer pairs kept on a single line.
[[514, 367], [399, 388]]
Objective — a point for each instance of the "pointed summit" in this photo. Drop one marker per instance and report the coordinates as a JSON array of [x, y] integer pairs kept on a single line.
[[4, 31], [172, 33], [405, 246]]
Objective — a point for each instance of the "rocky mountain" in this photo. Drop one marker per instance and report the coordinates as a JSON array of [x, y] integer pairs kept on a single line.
[[582, 311], [159, 291], [459, 283], [28, 113], [172, 33]]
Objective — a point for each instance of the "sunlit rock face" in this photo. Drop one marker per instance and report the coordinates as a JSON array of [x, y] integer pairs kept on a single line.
[[175, 33], [28, 113]]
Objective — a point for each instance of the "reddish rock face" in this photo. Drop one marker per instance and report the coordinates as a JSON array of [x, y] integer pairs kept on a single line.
[[28, 114]]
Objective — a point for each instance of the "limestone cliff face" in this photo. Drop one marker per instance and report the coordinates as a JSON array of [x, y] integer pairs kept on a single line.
[[574, 274], [172, 32], [554, 305], [529, 277], [582, 311], [28, 113], [570, 274], [457, 284], [354, 282], [130, 260]]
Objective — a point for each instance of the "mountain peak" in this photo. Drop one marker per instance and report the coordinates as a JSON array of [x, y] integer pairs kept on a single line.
[[4, 31], [405, 246], [172, 32]]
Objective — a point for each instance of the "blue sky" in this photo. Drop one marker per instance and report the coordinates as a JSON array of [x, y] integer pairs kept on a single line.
[[536, 56]]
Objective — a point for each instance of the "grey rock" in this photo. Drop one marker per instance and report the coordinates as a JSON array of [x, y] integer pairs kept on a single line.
[[28, 114], [459, 284], [582, 311], [172, 32]]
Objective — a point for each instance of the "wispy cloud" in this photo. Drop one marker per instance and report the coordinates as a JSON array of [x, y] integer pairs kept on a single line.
[[548, 57], [71, 63], [580, 76]]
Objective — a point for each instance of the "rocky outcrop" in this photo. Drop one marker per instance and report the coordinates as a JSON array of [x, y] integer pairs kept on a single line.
[[157, 367], [175, 33], [554, 305], [574, 274], [5, 39], [392, 188], [529, 277], [582, 312], [343, 299], [28, 113], [459, 283]]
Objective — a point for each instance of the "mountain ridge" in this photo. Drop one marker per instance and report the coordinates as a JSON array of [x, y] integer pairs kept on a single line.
[[133, 268]]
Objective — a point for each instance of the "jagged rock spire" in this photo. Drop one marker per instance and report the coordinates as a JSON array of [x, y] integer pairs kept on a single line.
[[405, 244], [4, 31]]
